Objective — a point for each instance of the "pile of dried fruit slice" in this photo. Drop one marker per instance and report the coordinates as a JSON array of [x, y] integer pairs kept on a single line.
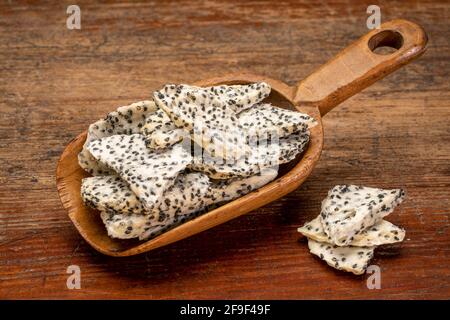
[[156, 164], [350, 226]]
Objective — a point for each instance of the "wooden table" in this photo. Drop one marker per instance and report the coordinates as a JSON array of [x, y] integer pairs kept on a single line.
[[56, 81]]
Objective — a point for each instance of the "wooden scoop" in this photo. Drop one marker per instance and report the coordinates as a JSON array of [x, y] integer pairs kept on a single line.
[[352, 70]]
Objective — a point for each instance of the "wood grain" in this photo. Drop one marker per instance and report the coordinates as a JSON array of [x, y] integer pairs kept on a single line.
[[55, 81]]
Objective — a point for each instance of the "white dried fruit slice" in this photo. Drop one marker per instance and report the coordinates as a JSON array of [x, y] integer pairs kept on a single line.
[[124, 226], [160, 132], [350, 259], [288, 148], [157, 121], [265, 154], [161, 140], [348, 210], [110, 194], [208, 115], [264, 118], [209, 122], [182, 202], [226, 190], [126, 120], [170, 223], [130, 119], [149, 173], [383, 232], [96, 131], [242, 97], [188, 194], [238, 97]]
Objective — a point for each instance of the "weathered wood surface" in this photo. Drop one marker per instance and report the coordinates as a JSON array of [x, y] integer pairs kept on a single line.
[[56, 81]]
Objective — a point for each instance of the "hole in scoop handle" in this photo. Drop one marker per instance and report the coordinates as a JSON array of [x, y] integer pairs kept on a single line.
[[358, 66]]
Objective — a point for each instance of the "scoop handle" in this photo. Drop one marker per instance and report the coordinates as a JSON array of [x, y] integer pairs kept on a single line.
[[357, 66]]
